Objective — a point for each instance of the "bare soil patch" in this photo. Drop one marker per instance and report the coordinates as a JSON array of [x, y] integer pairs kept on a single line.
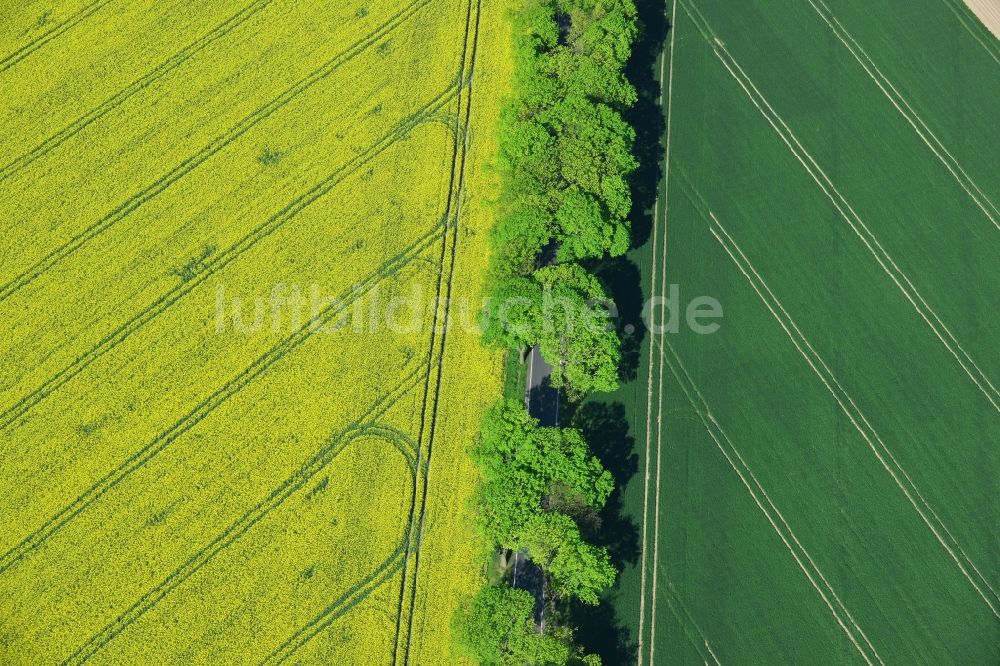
[[988, 12]]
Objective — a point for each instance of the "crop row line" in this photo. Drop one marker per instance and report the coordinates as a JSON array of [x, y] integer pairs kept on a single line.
[[847, 404], [897, 99], [341, 606], [861, 423], [165, 67], [258, 512], [413, 535], [219, 262], [777, 521], [974, 27], [360, 591], [222, 394], [685, 620], [20, 54], [660, 258], [456, 189], [409, 453], [192, 162]]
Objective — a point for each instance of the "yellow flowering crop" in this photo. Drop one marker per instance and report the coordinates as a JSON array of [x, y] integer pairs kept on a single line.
[[244, 243]]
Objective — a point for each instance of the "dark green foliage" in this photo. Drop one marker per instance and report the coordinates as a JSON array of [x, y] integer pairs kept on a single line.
[[562, 309], [529, 472], [512, 317], [605, 30], [576, 336], [565, 160], [594, 149], [269, 157], [564, 128], [585, 229], [574, 73], [518, 238]]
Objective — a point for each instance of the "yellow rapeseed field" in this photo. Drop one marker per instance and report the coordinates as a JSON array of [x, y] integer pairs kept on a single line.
[[243, 247]]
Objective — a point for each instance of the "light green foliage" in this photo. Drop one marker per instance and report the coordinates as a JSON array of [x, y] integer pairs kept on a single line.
[[563, 309], [603, 29], [576, 336], [498, 630], [523, 463], [513, 315], [576, 568], [566, 159]]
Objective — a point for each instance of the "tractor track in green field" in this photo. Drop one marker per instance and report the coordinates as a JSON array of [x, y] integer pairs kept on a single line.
[[957, 564], [883, 454], [11, 415], [686, 621], [17, 56], [164, 68], [365, 426], [218, 397], [857, 225], [912, 117], [819, 582], [661, 258], [192, 162], [456, 188], [974, 27]]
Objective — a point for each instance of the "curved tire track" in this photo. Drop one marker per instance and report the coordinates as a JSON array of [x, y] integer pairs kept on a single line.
[[244, 523], [139, 458], [341, 606], [457, 185]]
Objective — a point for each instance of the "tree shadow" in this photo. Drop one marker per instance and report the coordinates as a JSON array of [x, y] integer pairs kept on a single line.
[[600, 631], [623, 282], [544, 403], [647, 116], [604, 424], [529, 576], [606, 429]]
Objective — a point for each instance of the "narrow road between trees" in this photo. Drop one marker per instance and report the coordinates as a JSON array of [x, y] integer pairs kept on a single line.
[[542, 402], [540, 398]]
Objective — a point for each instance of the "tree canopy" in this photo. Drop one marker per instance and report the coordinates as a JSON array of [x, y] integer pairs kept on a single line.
[[566, 157], [523, 463], [563, 129], [576, 568], [497, 628], [529, 472], [563, 309], [565, 162], [576, 337]]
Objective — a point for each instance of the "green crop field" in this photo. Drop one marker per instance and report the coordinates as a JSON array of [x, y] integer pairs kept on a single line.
[[820, 479], [215, 446]]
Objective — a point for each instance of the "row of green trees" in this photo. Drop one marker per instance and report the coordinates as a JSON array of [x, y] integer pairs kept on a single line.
[[566, 158], [538, 485]]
